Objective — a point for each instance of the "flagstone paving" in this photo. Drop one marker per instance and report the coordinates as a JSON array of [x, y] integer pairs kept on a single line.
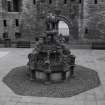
[[94, 59]]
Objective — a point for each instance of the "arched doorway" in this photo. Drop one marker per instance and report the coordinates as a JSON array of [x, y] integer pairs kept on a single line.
[[63, 31], [65, 27]]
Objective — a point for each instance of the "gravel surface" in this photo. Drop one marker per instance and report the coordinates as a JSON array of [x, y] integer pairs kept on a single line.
[[84, 79]]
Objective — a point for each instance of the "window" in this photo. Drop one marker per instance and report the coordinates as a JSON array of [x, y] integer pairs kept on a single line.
[[17, 35], [86, 30], [16, 5], [5, 23], [42, 1], [34, 2], [5, 35], [17, 22], [50, 1], [36, 39], [9, 6], [79, 1], [95, 1], [65, 1]]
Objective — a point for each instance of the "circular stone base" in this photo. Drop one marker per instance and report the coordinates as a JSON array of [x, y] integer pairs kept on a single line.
[[84, 80]]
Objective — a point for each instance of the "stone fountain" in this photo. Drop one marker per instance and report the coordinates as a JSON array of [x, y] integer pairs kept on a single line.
[[51, 61]]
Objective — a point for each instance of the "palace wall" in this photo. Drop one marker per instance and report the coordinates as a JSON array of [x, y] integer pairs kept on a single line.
[[94, 20], [30, 18], [86, 19]]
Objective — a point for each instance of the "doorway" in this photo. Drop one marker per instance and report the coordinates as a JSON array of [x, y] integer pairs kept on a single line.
[[63, 31]]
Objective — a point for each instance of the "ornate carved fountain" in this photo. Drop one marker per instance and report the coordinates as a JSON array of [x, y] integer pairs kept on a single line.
[[51, 61]]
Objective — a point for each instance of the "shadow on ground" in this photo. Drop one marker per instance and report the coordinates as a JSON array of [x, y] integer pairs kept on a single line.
[[84, 79]]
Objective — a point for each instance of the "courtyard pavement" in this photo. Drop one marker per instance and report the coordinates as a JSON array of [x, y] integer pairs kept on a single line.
[[94, 59]]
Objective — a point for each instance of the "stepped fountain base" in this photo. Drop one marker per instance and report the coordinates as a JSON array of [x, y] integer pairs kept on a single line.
[[58, 75]]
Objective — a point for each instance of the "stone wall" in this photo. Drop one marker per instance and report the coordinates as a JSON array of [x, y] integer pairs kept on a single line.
[[32, 17], [94, 20], [69, 12], [85, 19], [28, 23], [10, 21], [26, 20]]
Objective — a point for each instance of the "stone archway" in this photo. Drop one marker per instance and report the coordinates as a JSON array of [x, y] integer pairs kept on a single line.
[[68, 22]]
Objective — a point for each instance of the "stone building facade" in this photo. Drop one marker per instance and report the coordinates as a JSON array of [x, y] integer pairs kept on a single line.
[[24, 19], [94, 20]]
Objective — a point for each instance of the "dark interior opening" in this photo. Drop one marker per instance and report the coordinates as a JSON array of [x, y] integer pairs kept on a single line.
[[17, 22], [5, 35], [79, 1], [34, 2], [95, 1], [65, 1], [50, 1], [5, 23], [17, 5], [17, 35], [9, 6]]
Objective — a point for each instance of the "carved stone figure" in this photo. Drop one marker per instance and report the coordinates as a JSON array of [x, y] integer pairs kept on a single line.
[[51, 22]]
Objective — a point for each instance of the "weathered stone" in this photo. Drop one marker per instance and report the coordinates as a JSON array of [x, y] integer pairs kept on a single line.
[[32, 18], [80, 17]]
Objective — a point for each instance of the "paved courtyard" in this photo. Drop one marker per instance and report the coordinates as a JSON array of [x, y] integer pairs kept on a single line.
[[94, 59]]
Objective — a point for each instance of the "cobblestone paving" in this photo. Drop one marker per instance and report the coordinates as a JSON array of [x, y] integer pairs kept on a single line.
[[87, 58]]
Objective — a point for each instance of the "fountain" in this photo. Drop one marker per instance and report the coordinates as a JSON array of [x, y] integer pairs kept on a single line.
[[51, 61]]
